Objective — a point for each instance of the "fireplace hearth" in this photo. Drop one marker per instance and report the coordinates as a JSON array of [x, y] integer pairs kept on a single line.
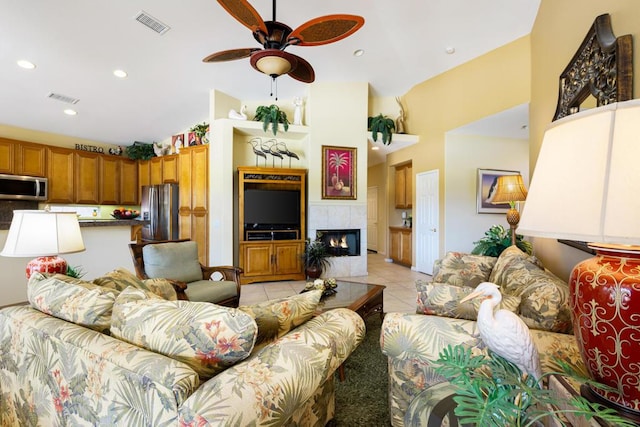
[[340, 242]]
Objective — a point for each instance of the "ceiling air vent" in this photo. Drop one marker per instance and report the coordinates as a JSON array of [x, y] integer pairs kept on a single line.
[[151, 22], [63, 98]]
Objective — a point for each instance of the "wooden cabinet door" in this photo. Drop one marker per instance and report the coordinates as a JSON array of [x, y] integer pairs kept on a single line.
[[199, 177], [408, 186], [169, 169], [109, 178], [405, 248], [86, 179], [394, 245], [60, 171], [31, 159], [288, 258], [144, 175], [128, 182], [256, 259], [155, 171], [400, 189], [7, 156]]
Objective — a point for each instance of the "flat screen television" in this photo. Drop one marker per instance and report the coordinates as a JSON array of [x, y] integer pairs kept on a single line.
[[270, 209]]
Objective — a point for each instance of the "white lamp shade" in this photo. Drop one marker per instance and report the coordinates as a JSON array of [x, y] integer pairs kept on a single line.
[[41, 233], [586, 183]]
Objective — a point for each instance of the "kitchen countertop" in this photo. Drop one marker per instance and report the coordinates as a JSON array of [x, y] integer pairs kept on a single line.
[[4, 225]]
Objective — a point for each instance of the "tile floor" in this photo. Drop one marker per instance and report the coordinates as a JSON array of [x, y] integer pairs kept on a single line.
[[399, 294]]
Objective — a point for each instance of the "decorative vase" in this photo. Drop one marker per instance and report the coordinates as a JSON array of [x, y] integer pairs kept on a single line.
[[605, 304], [334, 179], [313, 272], [338, 185]]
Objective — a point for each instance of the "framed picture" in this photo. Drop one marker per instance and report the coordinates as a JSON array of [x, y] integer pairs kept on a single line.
[[338, 172], [177, 142], [487, 180]]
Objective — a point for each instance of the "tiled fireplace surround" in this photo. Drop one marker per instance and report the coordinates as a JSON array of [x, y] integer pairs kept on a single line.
[[341, 216]]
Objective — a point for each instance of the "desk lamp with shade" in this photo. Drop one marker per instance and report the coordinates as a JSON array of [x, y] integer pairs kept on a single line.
[[510, 189], [586, 187], [45, 235]]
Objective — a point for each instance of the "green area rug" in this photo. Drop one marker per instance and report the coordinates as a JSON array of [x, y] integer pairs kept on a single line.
[[362, 399]]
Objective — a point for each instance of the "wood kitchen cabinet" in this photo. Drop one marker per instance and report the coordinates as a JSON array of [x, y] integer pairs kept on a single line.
[[110, 176], [128, 182], [404, 186], [193, 166], [400, 245], [22, 158], [144, 175], [60, 172], [86, 177]]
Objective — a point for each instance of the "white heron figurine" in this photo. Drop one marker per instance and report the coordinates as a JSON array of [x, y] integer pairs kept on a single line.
[[504, 332]]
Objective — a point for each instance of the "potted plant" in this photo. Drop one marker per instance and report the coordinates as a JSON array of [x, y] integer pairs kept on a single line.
[[271, 116], [491, 391], [140, 151], [315, 258], [496, 240], [381, 124], [201, 132]]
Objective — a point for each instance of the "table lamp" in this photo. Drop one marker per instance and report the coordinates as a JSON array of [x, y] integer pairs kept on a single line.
[[510, 189], [586, 187], [43, 234]]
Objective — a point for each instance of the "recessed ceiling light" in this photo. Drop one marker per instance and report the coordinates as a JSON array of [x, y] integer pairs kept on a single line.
[[70, 112], [26, 64], [375, 147], [450, 50], [120, 73], [358, 52]]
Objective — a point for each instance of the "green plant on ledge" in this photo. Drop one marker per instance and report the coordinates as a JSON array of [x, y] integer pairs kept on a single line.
[[271, 116], [140, 151], [381, 124], [201, 131], [491, 391], [496, 240]]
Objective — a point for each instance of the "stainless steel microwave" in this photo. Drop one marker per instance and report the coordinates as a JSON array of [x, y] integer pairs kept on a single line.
[[17, 187]]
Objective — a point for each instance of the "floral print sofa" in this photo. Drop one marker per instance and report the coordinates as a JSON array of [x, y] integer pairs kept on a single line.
[[120, 351], [412, 341]]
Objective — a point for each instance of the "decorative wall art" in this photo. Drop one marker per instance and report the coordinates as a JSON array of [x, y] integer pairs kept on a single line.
[[487, 179], [338, 172], [177, 142]]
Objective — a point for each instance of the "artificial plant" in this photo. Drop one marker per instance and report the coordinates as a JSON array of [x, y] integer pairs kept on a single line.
[[496, 240], [491, 391], [270, 117], [383, 125], [201, 131], [140, 151]]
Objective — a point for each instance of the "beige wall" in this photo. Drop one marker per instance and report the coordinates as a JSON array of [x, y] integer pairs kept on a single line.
[[557, 33], [484, 86], [377, 177]]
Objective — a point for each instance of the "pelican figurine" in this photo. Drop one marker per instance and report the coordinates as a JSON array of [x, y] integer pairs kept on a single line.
[[258, 152], [504, 332]]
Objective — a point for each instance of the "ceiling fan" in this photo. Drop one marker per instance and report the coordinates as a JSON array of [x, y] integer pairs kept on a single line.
[[275, 37]]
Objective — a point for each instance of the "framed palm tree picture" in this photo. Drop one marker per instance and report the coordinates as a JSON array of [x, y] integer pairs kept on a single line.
[[338, 172]]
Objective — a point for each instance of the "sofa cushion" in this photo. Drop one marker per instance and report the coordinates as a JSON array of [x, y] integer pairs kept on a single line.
[[442, 299], [510, 260], [205, 336], [73, 300], [211, 291], [174, 260], [461, 269], [121, 278], [277, 317]]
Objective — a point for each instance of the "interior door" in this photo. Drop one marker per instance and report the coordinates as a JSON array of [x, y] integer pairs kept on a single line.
[[426, 220], [372, 218]]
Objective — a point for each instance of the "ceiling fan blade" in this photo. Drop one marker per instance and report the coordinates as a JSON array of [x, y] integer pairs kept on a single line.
[[325, 29], [230, 55], [245, 14], [303, 72]]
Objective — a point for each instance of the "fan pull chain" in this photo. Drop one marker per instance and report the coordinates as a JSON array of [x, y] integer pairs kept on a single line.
[[273, 80]]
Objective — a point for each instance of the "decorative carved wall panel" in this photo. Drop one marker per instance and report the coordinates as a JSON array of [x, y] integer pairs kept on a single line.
[[602, 67]]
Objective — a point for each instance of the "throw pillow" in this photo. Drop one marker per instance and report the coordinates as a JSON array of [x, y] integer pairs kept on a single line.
[[174, 260], [277, 317], [73, 300], [205, 336], [441, 299], [511, 260], [461, 269], [122, 278]]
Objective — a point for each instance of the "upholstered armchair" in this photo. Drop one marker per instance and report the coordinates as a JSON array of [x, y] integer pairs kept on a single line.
[[178, 261]]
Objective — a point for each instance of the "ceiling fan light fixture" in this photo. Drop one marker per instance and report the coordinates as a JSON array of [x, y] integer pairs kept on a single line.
[[273, 62]]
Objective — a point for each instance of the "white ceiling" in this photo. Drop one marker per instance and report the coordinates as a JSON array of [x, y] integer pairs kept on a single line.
[[76, 45]]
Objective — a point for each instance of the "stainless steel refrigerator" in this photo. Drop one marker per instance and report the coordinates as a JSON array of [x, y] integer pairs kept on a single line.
[[159, 206]]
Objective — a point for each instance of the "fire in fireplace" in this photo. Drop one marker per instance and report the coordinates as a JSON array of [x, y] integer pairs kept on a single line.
[[340, 242]]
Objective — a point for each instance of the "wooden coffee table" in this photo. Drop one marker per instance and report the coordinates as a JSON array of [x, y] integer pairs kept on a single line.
[[363, 298]]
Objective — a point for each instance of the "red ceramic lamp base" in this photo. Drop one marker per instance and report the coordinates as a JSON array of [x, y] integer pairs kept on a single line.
[[47, 264], [605, 302]]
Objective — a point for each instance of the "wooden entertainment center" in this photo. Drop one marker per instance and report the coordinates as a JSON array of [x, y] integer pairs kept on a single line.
[[271, 251]]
